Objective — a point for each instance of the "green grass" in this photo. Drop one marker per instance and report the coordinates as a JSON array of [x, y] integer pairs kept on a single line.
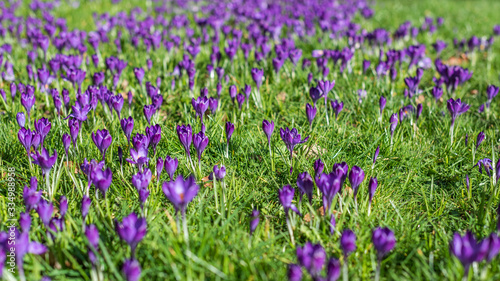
[[421, 194]]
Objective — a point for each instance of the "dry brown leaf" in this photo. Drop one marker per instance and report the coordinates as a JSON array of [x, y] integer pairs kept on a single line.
[[281, 97]]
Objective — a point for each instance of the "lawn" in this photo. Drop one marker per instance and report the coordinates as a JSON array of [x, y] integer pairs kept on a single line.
[[422, 195]]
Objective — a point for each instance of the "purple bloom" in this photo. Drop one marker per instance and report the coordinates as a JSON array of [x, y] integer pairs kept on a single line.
[[42, 127], [356, 177], [180, 192], [153, 134], [200, 105], [286, 197], [311, 113], [329, 185], [200, 142], [185, 137], [294, 272], [376, 154], [149, 111], [66, 140], [372, 187], [394, 123], [468, 250], [219, 173], [139, 74], [142, 179], [332, 269], [102, 179], [383, 240], [171, 166], [31, 196], [132, 270], [456, 108], [92, 235], [382, 103], [213, 103], [318, 167], [86, 202], [45, 210], [257, 75], [348, 242], [366, 65], [127, 125], [74, 129], [306, 185], [102, 139], [268, 128], [312, 257], [229, 131], [131, 230], [315, 94], [485, 163], [491, 92], [480, 139], [44, 160], [254, 221], [337, 107], [21, 119], [291, 138]]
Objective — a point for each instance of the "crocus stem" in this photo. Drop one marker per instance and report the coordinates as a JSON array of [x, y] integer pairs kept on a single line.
[[290, 230], [227, 150], [178, 223], [377, 272], [345, 271], [185, 227], [107, 209], [47, 183], [216, 196], [369, 207], [356, 204], [451, 133], [326, 113], [271, 156]]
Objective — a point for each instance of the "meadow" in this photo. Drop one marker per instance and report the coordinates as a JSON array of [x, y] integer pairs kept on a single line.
[[136, 140]]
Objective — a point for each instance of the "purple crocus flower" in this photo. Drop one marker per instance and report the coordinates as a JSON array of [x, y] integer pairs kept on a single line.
[[92, 235], [31, 196], [213, 103], [85, 207], [291, 138], [219, 173], [28, 101], [102, 139], [315, 94], [170, 165], [21, 119], [142, 179], [394, 123], [480, 139], [383, 240], [485, 163], [268, 128], [375, 156], [456, 108], [180, 192], [153, 134], [491, 92], [294, 272], [312, 257], [254, 221], [200, 105], [74, 129], [329, 185], [337, 107], [348, 242], [382, 102], [139, 75], [42, 127], [232, 92], [127, 125], [240, 98], [102, 179], [356, 177], [45, 209], [333, 269], [44, 160], [139, 155], [149, 111], [318, 167], [160, 163], [132, 230], [366, 65], [229, 131], [66, 140], [468, 250], [257, 75], [185, 137], [311, 113], [131, 270], [306, 186], [24, 246], [200, 142], [286, 197]]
